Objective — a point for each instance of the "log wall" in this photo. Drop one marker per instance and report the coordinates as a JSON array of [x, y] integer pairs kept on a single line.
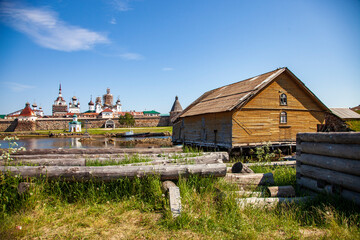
[[329, 162], [259, 119]]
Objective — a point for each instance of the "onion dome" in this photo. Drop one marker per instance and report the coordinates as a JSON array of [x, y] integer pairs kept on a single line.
[[91, 103], [34, 105], [74, 98]]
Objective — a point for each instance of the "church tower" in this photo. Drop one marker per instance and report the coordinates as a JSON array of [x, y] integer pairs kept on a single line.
[[108, 99], [175, 110], [59, 108]]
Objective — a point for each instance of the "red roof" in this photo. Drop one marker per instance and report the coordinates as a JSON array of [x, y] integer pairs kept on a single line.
[[107, 110], [27, 111]]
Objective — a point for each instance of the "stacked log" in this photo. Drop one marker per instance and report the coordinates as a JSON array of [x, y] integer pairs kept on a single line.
[[329, 162]]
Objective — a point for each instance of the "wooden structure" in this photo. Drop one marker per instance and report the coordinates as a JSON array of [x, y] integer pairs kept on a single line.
[[272, 107], [329, 162]]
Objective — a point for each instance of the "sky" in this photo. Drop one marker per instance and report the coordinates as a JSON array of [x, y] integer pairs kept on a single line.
[[149, 51]]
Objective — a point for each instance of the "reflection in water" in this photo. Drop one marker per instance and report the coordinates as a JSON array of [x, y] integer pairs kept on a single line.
[[41, 143]]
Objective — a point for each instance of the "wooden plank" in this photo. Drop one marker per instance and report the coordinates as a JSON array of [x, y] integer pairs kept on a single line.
[[269, 202], [348, 181], [350, 151], [332, 163], [175, 201]]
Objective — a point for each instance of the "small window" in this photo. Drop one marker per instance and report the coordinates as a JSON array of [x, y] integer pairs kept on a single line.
[[283, 117], [283, 99]]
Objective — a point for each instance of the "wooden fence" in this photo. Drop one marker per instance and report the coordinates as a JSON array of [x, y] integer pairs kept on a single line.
[[329, 162]]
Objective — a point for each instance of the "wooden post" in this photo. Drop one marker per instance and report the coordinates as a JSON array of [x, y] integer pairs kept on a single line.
[[174, 197]]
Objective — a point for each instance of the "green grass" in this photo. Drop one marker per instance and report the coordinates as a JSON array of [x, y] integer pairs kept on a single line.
[[113, 162], [354, 125], [283, 175], [103, 131], [138, 209]]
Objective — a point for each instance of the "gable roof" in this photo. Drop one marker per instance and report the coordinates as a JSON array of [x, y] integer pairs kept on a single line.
[[345, 113], [230, 97]]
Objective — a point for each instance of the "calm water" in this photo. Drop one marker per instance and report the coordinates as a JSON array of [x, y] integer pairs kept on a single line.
[[41, 143]]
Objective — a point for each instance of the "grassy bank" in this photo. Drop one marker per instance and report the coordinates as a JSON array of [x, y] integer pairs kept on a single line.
[[138, 209], [95, 131]]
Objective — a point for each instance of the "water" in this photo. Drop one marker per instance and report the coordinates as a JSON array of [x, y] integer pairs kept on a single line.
[[48, 143]]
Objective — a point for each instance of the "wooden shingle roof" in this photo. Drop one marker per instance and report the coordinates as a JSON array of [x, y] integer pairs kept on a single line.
[[235, 95]]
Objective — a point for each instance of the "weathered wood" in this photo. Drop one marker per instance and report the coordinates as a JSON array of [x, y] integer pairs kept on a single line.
[[348, 181], [101, 151], [312, 184], [245, 169], [47, 162], [166, 185], [277, 163], [182, 159], [110, 173], [237, 167], [282, 191], [342, 138], [245, 193], [332, 163], [250, 178], [269, 202], [175, 201], [351, 151]]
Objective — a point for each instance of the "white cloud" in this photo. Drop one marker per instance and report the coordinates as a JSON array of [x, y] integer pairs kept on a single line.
[[45, 28], [18, 87], [121, 5], [113, 21], [131, 56], [167, 69]]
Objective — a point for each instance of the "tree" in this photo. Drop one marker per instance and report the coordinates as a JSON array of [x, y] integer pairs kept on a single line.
[[127, 120]]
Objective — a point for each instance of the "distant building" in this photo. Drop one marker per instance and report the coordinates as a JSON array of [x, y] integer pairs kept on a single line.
[[59, 108], [175, 110], [38, 112], [345, 114], [27, 114], [74, 125], [74, 105], [107, 113], [356, 109], [151, 113], [107, 103]]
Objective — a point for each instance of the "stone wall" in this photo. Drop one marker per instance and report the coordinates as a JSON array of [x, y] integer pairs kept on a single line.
[[63, 123]]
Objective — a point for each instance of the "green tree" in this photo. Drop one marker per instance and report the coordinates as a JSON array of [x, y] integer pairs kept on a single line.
[[127, 120]]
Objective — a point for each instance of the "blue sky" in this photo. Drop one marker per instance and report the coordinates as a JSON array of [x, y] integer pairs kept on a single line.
[[149, 51]]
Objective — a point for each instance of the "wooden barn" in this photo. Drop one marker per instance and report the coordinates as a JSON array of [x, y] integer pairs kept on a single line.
[[272, 107]]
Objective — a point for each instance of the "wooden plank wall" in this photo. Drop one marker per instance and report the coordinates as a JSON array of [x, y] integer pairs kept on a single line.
[[200, 129], [329, 162], [259, 119]]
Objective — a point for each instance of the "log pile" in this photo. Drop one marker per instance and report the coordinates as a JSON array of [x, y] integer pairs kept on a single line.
[[248, 183], [329, 162]]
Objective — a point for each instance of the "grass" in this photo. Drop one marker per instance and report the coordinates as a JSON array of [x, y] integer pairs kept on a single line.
[[354, 125], [103, 131], [113, 162], [138, 209]]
